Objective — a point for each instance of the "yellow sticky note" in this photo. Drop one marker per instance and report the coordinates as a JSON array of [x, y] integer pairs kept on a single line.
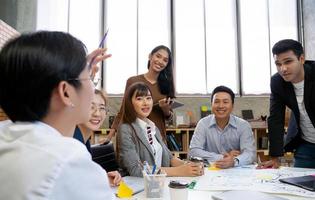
[[213, 167], [124, 191], [204, 108], [103, 131], [177, 131], [265, 177]]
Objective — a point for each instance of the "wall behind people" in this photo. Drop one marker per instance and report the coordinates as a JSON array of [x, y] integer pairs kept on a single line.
[[22, 16], [259, 105], [309, 28]]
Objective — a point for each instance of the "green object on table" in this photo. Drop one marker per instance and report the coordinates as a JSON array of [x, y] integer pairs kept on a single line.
[[192, 184]]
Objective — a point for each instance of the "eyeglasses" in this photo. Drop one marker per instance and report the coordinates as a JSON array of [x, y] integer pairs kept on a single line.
[[94, 80], [101, 109]]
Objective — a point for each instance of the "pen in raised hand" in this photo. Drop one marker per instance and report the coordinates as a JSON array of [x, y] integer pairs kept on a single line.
[[97, 56], [103, 40], [94, 58]]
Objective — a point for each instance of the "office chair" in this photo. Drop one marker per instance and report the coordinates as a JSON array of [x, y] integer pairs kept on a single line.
[[104, 155]]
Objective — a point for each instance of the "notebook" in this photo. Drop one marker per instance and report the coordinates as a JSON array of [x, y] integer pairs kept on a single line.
[[245, 194], [305, 182]]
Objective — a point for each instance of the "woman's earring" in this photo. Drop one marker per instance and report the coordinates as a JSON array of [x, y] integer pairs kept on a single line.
[[72, 105]]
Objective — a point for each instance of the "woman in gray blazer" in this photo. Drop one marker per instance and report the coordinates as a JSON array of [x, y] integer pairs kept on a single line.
[[139, 140]]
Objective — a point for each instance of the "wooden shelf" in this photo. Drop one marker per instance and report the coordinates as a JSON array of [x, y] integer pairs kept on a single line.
[[260, 131], [183, 137], [99, 135], [264, 151]]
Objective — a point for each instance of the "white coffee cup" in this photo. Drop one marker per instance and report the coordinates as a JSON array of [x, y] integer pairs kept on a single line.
[[178, 190]]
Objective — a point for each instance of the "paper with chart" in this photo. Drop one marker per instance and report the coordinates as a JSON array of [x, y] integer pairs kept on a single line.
[[264, 180]]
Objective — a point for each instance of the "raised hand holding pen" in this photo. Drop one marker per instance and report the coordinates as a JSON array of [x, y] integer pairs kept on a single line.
[[97, 56]]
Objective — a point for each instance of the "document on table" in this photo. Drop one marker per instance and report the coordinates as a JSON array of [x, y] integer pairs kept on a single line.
[[263, 180], [245, 194]]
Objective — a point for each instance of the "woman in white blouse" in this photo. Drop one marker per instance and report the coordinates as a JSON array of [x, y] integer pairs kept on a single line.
[[46, 89]]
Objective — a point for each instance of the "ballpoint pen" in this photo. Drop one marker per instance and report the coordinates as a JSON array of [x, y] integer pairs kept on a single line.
[[153, 170], [99, 46], [103, 39]]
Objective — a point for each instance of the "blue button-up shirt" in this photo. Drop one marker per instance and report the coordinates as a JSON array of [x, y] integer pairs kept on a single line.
[[211, 142]]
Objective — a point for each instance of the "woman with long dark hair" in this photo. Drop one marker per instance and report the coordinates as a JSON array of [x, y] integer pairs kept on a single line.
[[159, 78], [139, 140]]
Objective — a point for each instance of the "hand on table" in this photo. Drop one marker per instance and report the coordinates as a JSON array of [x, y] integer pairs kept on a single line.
[[114, 178]]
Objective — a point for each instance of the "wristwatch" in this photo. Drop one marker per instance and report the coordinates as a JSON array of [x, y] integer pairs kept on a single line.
[[236, 162]]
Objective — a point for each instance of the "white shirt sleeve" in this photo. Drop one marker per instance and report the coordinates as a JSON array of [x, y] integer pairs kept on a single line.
[[80, 178]]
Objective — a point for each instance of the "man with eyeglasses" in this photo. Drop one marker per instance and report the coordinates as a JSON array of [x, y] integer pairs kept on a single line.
[[93, 79]]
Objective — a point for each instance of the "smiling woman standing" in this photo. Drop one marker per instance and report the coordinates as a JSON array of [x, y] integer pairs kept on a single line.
[[159, 79]]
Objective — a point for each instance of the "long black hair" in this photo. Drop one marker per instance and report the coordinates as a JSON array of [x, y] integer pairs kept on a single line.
[[139, 89], [165, 79], [31, 66], [129, 114]]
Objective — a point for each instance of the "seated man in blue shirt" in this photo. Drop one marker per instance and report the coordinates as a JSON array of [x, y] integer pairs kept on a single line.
[[222, 138]]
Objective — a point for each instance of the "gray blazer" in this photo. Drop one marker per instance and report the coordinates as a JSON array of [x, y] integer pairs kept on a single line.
[[135, 148]]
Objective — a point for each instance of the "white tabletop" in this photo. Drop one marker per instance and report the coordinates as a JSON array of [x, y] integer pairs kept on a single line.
[[205, 193]]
